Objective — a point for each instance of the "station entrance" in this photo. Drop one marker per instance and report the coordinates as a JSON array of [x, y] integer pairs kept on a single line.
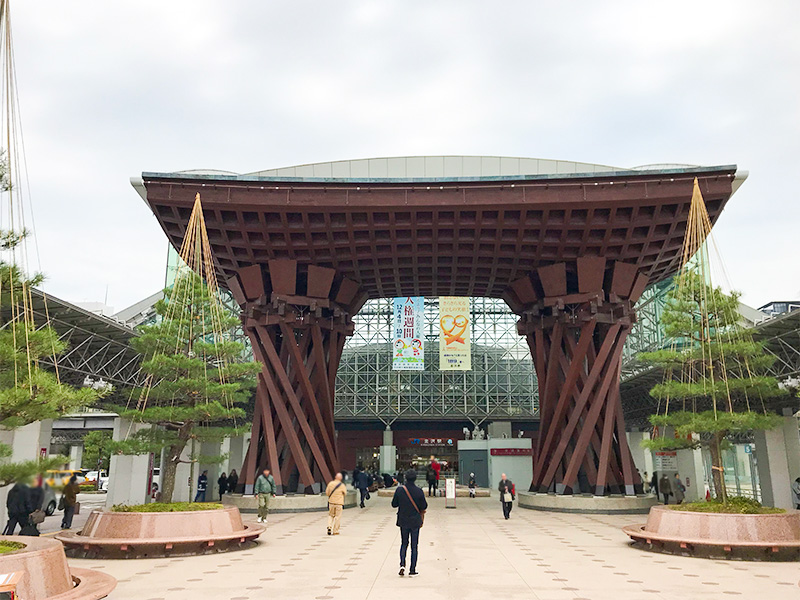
[[570, 254]]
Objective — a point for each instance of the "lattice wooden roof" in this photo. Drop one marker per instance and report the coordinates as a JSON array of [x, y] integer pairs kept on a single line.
[[464, 237]]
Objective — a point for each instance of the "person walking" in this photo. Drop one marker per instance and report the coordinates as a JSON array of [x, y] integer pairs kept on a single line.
[[264, 490], [202, 483], [678, 489], [70, 497], [360, 482], [409, 500], [336, 493], [437, 469], [654, 484], [222, 482], [646, 483], [472, 484], [233, 481], [37, 515], [17, 507], [665, 488], [506, 489], [796, 493], [430, 477]]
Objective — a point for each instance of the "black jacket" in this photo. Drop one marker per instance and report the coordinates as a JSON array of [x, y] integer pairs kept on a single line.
[[430, 475], [407, 515], [505, 486], [222, 482], [36, 498], [18, 501], [360, 480], [233, 481]]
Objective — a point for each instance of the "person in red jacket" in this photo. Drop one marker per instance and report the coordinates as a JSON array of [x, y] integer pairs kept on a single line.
[[434, 472], [436, 467]]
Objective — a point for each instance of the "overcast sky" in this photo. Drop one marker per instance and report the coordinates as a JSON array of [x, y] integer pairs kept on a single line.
[[111, 89]]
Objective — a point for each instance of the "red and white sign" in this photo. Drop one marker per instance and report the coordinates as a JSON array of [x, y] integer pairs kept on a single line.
[[665, 461], [511, 452]]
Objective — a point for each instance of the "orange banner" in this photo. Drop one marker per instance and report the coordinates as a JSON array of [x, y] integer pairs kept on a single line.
[[454, 334]]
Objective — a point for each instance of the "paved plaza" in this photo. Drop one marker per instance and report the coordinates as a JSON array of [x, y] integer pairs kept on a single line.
[[468, 552]]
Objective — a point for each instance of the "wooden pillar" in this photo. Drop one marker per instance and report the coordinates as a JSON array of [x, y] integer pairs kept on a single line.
[[297, 319], [576, 317]]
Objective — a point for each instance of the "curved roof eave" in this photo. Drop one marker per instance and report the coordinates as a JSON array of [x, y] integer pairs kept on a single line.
[[138, 184]]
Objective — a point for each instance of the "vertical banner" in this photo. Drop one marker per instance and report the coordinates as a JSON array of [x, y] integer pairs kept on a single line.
[[454, 341], [450, 493], [408, 339]]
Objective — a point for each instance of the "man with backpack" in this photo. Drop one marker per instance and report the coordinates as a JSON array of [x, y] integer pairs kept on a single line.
[[409, 500], [433, 483], [336, 493], [18, 506]]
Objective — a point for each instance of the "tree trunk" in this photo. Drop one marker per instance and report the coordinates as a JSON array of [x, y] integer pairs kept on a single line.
[[717, 472], [173, 457]]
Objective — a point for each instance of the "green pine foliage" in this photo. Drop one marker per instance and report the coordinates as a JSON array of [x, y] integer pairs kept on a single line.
[[97, 450], [25, 470], [715, 383], [197, 386], [28, 391], [736, 505]]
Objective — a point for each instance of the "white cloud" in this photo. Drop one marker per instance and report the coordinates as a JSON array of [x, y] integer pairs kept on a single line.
[[111, 89]]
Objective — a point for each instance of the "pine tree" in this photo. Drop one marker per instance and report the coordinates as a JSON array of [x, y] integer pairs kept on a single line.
[[97, 450], [197, 380], [28, 392], [715, 374]]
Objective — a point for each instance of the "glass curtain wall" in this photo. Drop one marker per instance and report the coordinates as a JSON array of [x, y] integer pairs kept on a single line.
[[501, 384]]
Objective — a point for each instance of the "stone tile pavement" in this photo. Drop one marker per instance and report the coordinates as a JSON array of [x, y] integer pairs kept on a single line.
[[465, 553], [52, 524]]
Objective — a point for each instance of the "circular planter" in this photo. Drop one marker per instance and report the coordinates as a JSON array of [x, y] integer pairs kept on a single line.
[[461, 492], [146, 535], [47, 575], [604, 505], [719, 535], [289, 503]]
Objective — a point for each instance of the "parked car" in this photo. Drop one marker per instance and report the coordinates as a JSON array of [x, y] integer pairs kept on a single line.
[[56, 478], [91, 477], [49, 503]]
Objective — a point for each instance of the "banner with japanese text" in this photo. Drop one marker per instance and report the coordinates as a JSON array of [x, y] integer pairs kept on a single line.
[[408, 334], [454, 340]]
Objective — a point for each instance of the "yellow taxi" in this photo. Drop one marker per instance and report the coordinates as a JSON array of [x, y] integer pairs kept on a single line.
[[60, 478]]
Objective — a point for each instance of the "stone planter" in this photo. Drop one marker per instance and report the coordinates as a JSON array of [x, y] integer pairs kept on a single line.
[[605, 505], [47, 575], [142, 535], [461, 492], [290, 503], [719, 535]]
